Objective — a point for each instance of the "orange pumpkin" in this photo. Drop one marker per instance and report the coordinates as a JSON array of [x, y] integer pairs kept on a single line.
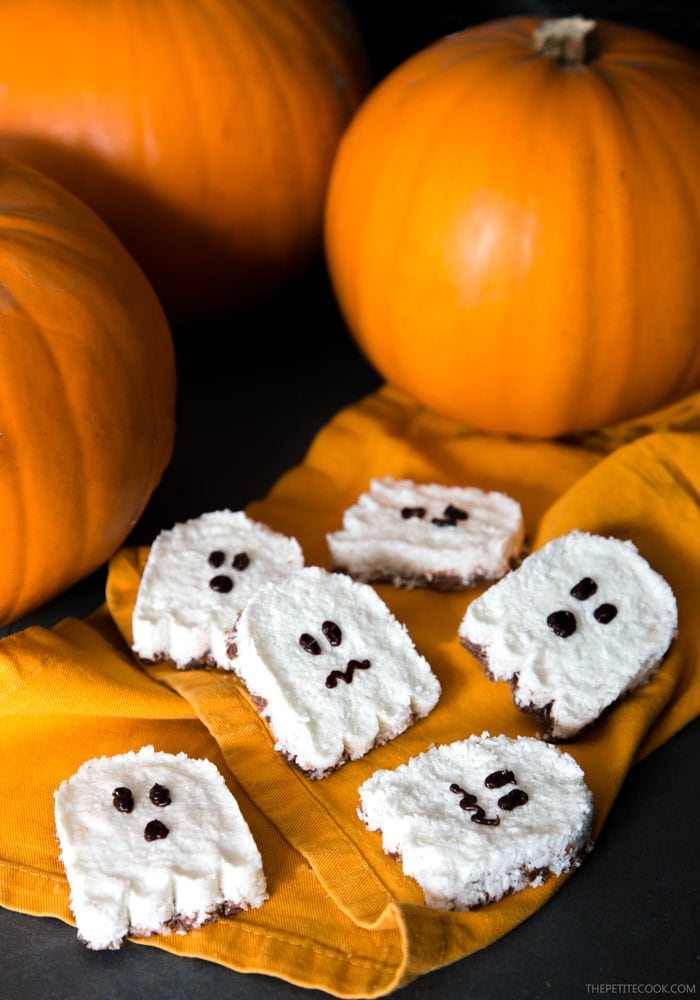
[[202, 131], [87, 390], [513, 225]]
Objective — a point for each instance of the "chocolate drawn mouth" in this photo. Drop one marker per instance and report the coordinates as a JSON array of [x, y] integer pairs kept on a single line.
[[513, 799], [346, 675], [469, 803]]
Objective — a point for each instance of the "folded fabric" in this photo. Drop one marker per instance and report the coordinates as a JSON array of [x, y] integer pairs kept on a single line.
[[341, 916]]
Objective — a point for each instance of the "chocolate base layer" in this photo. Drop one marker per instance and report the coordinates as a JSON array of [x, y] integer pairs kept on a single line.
[[315, 774], [530, 876], [205, 662], [443, 581], [544, 713], [179, 923]]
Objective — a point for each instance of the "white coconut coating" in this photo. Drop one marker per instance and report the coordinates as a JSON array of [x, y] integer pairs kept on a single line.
[[467, 844], [198, 576], [175, 854], [334, 672], [428, 535], [583, 621]]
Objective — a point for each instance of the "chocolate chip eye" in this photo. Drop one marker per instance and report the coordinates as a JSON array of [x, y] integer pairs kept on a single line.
[[497, 779], [221, 584], [562, 623], [450, 516], [455, 513], [216, 558], [332, 633], [584, 589], [309, 644], [516, 797], [123, 799], [407, 512], [160, 795], [155, 830], [241, 561], [605, 613]]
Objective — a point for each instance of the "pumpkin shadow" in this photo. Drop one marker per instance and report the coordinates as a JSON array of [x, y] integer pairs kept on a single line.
[[237, 341], [200, 272]]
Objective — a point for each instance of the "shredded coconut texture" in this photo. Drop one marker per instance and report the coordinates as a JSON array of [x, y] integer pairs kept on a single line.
[[402, 532], [322, 710], [461, 864], [570, 680], [178, 614], [205, 865]]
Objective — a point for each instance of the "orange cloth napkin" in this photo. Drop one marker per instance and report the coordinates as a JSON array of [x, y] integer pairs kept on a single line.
[[341, 916]]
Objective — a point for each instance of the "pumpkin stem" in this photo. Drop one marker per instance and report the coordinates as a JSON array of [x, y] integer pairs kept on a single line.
[[570, 40]]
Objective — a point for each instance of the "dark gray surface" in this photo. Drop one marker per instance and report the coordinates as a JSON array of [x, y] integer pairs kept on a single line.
[[627, 922]]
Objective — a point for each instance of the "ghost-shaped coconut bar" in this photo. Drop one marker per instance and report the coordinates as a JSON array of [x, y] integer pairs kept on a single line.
[[429, 535], [581, 623], [152, 843], [475, 820], [197, 578], [330, 668]]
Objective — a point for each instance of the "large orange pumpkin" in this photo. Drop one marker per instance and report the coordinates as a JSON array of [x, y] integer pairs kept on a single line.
[[514, 236], [87, 390], [202, 131]]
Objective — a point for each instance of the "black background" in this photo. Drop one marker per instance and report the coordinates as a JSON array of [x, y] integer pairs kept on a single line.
[[394, 29]]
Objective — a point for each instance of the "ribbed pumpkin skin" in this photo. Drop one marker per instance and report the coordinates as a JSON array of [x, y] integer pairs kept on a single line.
[[516, 243], [202, 131], [87, 391]]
